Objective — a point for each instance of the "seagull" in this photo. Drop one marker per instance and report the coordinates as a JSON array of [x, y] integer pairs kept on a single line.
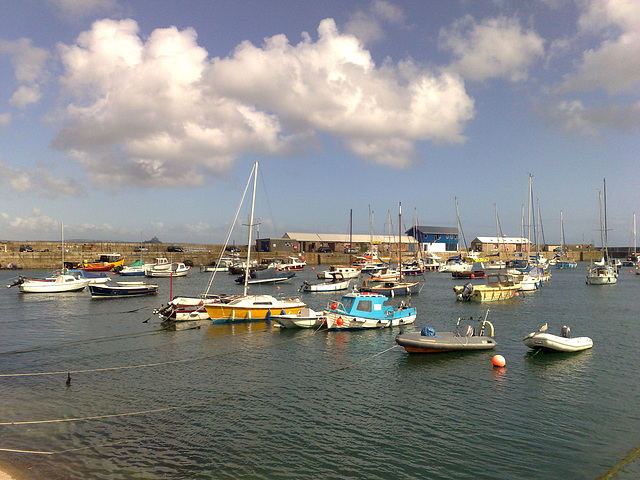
[[543, 328]]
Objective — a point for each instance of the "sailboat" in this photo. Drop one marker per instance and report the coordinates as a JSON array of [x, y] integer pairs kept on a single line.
[[397, 285], [56, 284], [563, 261], [603, 272], [457, 264], [632, 257], [248, 307]]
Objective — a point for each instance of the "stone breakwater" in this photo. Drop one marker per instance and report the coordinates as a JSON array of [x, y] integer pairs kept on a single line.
[[48, 255]]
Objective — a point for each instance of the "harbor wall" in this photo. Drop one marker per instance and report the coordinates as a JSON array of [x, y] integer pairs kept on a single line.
[[48, 255]]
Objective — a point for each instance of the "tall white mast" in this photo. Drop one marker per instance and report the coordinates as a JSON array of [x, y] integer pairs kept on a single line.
[[253, 203]]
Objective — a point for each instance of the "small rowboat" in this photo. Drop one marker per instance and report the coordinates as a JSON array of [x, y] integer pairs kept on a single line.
[[132, 290], [541, 340], [306, 318], [427, 340]]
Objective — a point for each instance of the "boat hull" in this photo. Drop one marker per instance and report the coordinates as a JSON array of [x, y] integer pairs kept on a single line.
[[554, 343], [415, 342], [106, 291], [325, 287], [307, 318], [61, 284], [252, 307]]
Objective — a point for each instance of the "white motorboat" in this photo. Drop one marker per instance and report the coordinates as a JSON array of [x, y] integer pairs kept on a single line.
[[58, 284], [337, 283], [306, 318], [542, 340], [175, 269], [346, 272]]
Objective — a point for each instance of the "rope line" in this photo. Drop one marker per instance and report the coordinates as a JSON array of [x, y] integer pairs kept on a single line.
[[128, 414], [146, 365], [631, 456], [360, 361], [149, 411]]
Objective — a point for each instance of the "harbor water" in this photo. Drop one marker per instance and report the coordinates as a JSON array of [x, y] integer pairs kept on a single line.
[[254, 401]]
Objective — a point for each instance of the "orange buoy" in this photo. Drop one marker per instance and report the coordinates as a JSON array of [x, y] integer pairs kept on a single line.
[[339, 321], [472, 276], [498, 361], [278, 287], [313, 268], [334, 305], [516, 294]]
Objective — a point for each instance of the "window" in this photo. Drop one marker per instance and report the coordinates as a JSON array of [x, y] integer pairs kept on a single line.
[[364, 306]]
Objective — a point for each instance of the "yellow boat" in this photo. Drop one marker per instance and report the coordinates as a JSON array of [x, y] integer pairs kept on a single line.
[[244, 308], [499, 286]]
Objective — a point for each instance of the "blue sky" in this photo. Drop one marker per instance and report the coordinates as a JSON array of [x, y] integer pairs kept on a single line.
[[132, 119]]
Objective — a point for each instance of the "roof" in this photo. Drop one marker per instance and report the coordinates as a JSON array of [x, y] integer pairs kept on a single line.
[[344, 238], [427, 229], [501, 240]]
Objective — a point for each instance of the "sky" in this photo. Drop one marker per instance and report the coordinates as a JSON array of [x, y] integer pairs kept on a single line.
[[125, 120]]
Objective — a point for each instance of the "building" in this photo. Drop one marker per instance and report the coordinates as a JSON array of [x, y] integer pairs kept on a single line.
[[435, 239], [491, 245], [335, 242]]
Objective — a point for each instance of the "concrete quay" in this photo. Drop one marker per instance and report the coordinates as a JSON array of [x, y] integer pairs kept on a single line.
[[48, 255]]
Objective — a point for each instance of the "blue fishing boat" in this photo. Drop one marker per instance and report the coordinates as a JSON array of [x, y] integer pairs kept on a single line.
[[357, 310]]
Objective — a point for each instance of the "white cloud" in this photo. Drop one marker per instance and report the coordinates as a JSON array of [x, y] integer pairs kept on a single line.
[[614, 65], [5, 119], [158, 112], [35, 224], [493, 48], [367, 25], [76, 10], [29, 63], [37, 181]]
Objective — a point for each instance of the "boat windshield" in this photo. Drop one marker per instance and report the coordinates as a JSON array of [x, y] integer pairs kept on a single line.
[[347, 303]]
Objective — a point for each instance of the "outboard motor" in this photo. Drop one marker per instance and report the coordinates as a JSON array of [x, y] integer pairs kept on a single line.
[[467, 291], [19, 281], [565, 332]]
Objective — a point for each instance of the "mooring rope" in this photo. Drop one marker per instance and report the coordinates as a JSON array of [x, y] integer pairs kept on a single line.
[[360, 361], [145, 365], [149, 411], [630, 457]]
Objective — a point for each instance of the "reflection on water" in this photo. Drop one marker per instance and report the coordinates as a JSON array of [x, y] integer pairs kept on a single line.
[[251, 400]]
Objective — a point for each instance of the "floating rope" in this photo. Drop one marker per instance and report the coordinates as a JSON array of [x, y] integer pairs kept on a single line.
[[631, 456], [363, 360], [143, 412], [128, 414]]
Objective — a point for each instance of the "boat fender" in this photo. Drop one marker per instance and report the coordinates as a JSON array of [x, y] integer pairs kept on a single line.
[[334, 306], [339, 321], [428, 332]]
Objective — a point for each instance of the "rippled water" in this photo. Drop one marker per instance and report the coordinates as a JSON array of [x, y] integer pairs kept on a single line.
[[254, 401]]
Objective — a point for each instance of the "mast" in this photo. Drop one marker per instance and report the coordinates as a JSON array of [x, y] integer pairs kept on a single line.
[[350, 236], [253, 203], [562, 248], [62, 241], [604, 249], [400, 241], [606, 243]]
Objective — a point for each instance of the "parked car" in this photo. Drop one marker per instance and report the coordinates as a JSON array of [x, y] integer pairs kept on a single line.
[[324, 250], [232, 248], [141, 249], [173, 248], [26, 248]]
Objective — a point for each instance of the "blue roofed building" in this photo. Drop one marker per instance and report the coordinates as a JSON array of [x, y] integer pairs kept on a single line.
[[435, 239]]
